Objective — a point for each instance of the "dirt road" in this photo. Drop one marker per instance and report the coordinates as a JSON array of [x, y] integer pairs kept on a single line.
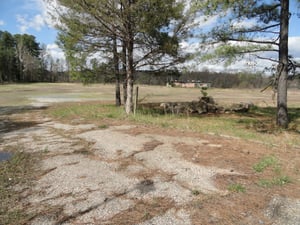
[[134, 174]]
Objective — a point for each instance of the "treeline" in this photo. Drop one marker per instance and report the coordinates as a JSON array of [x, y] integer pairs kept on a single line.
[[218, 80], [23, 59], [229, 80]]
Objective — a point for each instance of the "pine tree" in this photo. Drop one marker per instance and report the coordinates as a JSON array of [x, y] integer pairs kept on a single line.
[[143, 30], [251, 27]]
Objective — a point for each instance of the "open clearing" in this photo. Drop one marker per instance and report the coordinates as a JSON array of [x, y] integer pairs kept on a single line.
[[111, 170]]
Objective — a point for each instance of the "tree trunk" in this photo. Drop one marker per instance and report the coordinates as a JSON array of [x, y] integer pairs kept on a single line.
[[129, 78], [129, 60], [124, 71], [1, 80], [117, 72], [118, 90], [282, 112]]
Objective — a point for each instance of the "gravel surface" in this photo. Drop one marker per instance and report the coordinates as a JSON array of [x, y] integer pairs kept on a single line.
[[92, 176]]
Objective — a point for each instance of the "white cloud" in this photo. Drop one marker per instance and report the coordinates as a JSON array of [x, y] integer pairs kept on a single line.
[[53, 54], [189, 47], [2, 22], [205, 21], [37, 17], [248, 63], [243, 24], [55, 51], [49, 10], [294, 47], [37, 22], [42, 15]]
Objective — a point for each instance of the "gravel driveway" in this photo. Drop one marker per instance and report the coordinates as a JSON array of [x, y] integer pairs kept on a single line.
[[115, 176]]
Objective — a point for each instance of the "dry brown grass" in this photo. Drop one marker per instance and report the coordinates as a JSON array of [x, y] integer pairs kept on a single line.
[[18, 94]]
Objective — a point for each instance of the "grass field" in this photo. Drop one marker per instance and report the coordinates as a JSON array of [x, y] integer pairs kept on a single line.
[[256, 125], [18, 94]]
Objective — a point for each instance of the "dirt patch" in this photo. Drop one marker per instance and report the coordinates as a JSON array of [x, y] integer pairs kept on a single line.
[[141, 211]]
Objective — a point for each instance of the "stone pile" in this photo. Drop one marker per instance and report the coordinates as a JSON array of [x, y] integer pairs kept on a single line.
[[205, 105]]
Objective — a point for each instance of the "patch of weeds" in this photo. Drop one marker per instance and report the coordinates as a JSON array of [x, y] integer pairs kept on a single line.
[[282, 180], [265, 163], [110, 115], [165, 124], [104, 126], [146, 216], [248, 122], [265, 183], [82, 151], [237, 188], [150, 109], [263, 111], [195, 192], [46, 150], [277, 181], [204, 92], [18, 171], [86, 111], [294, 114]]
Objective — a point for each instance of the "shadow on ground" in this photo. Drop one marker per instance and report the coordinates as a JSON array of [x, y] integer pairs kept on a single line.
[[9, 110], [9, 124]]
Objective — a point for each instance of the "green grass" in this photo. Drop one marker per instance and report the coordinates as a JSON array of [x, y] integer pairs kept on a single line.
[[103, 126], [268, 161], [218, 125], [18, 171], [196, 192], [87, 111], [236, 188], [248, 126], [276, 181]]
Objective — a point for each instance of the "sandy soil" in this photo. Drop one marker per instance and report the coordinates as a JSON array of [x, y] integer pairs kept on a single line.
[[133, 174]]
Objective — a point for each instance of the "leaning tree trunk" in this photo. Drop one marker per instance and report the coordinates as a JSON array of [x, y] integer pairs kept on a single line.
[[282, 111]]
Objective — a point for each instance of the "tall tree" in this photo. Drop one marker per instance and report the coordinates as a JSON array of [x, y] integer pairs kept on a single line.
[[27, 51], [252, 27], [8, 70], [283, 66], [145, 29]]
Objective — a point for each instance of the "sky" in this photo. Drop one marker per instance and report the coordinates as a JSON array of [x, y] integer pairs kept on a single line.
[[31, 17]]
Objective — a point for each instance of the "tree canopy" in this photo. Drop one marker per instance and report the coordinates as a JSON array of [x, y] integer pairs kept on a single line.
[[251, 27], [19, 57], [138, 34]]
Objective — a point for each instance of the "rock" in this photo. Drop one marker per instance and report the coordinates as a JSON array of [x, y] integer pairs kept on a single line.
[[241, 107], [204, 105], [284, 210]]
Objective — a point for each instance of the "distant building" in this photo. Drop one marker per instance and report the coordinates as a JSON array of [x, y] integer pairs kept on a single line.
[[191, 84]]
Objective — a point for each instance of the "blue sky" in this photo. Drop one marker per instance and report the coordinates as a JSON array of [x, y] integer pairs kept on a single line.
[[30, 16], [26, 16], [295, 20]]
